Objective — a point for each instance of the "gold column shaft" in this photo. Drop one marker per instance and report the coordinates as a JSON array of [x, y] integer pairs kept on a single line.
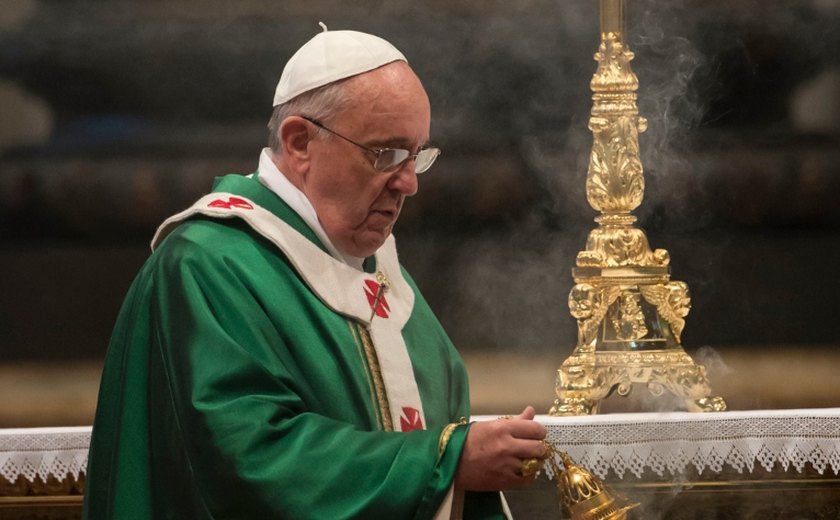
[[612, 18]]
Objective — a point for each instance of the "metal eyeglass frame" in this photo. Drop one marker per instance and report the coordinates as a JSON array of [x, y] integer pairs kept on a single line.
[[389, 160]]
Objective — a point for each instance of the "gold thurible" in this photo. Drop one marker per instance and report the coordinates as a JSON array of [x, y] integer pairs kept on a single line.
[[583, 496], [629, 313]]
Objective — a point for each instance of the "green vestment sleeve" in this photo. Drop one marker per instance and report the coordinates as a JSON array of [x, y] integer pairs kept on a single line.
[[231, 391]]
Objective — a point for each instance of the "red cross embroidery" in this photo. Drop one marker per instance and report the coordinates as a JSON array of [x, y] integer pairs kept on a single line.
[[232, 202], [376, 297], [410, 419]]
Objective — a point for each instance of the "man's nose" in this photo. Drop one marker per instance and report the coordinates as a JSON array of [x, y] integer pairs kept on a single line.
[[404, 180]]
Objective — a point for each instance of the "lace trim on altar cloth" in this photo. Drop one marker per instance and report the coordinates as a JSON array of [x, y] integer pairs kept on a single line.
[[674, 442], [659, 443], [41, 452]]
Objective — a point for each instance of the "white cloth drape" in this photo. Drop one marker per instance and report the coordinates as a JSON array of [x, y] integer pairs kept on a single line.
[[39, 452], [669, 443]]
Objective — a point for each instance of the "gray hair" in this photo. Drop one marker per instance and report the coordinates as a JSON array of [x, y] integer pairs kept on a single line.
[[320, 104]]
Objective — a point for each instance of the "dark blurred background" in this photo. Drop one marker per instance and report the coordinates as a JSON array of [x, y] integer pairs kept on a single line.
[[116, 114]]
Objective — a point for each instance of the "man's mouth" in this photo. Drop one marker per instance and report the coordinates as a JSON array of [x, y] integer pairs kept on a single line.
[[390, 213], [382, 217]]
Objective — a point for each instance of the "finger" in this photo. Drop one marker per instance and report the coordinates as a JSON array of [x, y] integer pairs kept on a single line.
[[527, 414], [511, 474], [526, 429], [530, 467], [528, 449]]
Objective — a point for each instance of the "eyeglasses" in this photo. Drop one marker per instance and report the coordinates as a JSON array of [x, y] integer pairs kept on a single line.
[[389, 160]]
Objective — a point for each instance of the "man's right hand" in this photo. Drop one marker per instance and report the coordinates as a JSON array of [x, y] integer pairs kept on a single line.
[[494, 450]]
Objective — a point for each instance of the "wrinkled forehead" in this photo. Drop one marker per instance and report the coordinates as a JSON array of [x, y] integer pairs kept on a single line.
[[392, 97], [392, 88]]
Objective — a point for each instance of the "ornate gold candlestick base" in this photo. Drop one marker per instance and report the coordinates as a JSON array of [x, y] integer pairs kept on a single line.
[[630, 314], [585, 379], [629, 325]]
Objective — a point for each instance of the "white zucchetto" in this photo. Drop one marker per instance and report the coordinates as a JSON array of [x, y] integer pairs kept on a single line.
[[331, 56]]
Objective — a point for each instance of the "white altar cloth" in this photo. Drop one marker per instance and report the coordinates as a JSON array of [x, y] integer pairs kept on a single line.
[[39, 452], [634, 442], [673, 442]]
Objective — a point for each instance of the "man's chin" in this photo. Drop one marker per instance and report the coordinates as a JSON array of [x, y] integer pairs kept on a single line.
[[370, 241]]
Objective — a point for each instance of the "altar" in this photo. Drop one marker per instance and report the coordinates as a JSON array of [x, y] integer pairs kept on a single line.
[[677, 465], [42, 472]]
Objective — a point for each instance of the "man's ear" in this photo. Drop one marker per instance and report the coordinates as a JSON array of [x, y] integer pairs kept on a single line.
[[295, 135]]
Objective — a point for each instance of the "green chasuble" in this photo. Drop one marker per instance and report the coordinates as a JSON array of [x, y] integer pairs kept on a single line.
[[250, 376]]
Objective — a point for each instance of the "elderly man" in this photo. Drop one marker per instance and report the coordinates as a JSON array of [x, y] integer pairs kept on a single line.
[[273, 359]]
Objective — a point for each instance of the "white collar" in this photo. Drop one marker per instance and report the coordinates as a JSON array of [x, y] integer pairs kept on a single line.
[[277, 182]]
